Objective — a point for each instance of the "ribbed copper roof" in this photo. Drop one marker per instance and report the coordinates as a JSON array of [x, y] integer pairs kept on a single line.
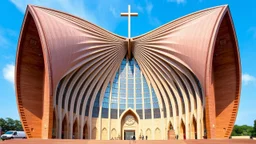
[[182, 48]]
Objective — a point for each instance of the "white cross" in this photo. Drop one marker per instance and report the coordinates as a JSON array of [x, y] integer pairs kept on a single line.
[[129, 14]]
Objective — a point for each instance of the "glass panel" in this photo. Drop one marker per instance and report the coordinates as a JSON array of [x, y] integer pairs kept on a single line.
[[155, 105], [131, 106], [147, 113], [130, 101], [104, 113], [128, 87], [139, 111], [122, 101], [138, 91], [138, 80], [114, 113], [123, 91], [138, 106], [121, 111], [114, 105], [122, 106], [147, 105], [157, 113], [138, 101]]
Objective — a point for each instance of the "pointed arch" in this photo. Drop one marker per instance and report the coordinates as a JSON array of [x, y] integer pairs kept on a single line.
[[104, 134], [132, 111], [193, 131], [94, 133], [157, 134], [182, 134], [85, 134], [134, 117], [170, 131], [148, 134], [170, 126], [64, 128], [75, 130], [113, 134]]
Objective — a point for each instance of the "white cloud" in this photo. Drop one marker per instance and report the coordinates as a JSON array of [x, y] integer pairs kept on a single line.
[[140, 8], [3, 40], [8, 72], [5, 34], [154, 21], [113, 11], [177, 1], [105, 14], [97, 11], [149, 7], [73, 7], [247, 79]]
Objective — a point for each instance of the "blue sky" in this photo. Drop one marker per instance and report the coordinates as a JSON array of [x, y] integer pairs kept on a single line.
[[152, 14]]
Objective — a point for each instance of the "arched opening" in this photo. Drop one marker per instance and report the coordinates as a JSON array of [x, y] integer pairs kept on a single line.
[[94, 133], [170, 126], [75, 130], [158, 134], [148, 134], [182, 131], [85, 135], [170, 132], [64, 128], [104, 134], [54, 126], [129, 125], [113, 134], [194, 129]]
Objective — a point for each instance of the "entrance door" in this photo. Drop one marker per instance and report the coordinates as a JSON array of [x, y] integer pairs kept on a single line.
[[128, 134]]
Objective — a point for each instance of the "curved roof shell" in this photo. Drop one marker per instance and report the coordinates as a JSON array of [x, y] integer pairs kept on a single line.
[[52, 44]]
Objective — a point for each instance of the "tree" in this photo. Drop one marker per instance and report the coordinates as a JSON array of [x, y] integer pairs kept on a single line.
[[3, 124], [254, 129], [234, 132], [18, 125], [10, 124], [243, 130]]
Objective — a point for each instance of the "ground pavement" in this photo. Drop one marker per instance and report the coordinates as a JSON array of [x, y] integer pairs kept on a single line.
[[70, 141]]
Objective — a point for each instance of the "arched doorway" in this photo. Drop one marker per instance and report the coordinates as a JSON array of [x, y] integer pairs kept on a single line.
[[157, 134], [182, 131], [94, 133], [148, 134], [194, 129], [64, 128], [75, 130], [54, 125], [129, 125], [85, 135], [104, 134], [113, 134], [170, 131]]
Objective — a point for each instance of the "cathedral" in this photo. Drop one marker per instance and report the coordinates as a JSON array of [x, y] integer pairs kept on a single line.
[[75, 80]]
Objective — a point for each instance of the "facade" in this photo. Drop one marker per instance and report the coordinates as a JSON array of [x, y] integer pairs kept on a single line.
[[76, 80]]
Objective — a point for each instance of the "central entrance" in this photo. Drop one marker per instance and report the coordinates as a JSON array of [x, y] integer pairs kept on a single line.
[[129, 125], [129, 134]]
